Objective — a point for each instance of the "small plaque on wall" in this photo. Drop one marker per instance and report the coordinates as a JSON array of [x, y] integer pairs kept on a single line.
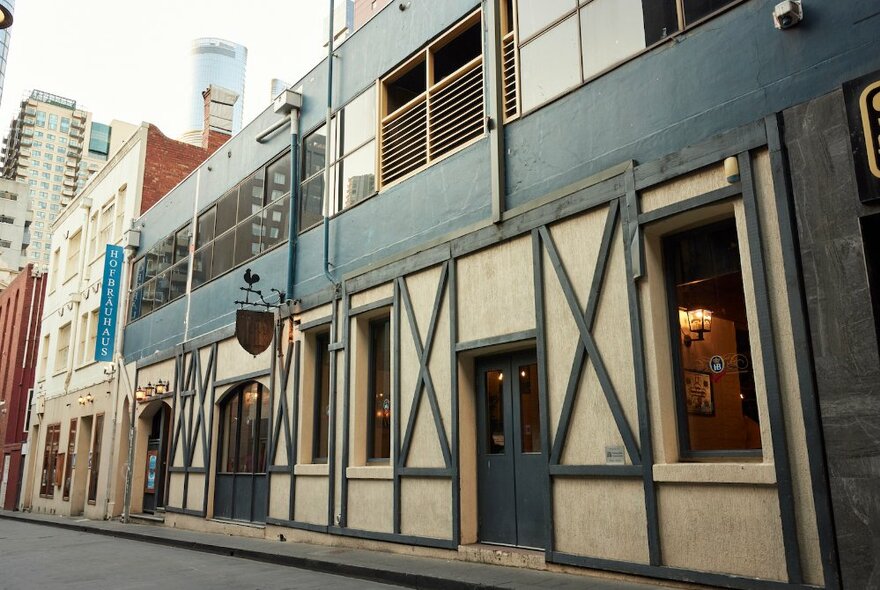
[[862, 97], [615, 456]]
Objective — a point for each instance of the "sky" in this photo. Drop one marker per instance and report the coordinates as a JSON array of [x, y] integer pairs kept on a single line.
[[130, 59]]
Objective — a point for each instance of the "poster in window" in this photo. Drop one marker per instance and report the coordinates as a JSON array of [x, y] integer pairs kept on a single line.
[[152, 464], [698, 393]]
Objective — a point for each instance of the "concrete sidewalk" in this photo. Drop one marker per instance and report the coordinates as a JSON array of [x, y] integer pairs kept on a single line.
[[404, 570]]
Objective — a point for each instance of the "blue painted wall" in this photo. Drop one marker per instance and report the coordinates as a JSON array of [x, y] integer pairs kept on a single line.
[[732, 70]]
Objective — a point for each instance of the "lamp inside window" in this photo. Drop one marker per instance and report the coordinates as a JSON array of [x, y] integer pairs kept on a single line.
[[694, 324]]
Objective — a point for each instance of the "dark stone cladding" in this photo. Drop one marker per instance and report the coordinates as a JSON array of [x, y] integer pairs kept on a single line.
[[842, 331]]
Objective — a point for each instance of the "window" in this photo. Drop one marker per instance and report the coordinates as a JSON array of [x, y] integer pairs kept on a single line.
[[92, 337], [7, 219], [716, 401], [105, 232], [602, 33], [433, 104], [71, 267], [63, 350], [44, 355], [41, 120], [321, 422], [53, 121], [120, 212], [249, 219], [68, 462], [93, 236], [50, 459], [80, 352], [245, 430], [352, 166], [379, 391], [95, 470], [65, 125]]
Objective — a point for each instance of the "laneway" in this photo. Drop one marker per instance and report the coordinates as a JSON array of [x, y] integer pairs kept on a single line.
[[33, 556]]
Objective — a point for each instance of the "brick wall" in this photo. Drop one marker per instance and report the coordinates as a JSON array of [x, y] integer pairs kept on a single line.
[[21, 300], [169, 161]]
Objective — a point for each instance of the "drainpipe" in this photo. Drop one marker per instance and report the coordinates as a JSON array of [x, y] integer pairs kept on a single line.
[[495, 104], [327, 154], [27, 334]]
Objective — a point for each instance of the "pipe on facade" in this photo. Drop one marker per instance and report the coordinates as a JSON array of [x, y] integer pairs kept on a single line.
[[327, 154], [267, 133], [27, 334], [292, 217]]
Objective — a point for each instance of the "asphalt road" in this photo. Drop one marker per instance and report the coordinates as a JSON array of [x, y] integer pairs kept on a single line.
[[46, 558]]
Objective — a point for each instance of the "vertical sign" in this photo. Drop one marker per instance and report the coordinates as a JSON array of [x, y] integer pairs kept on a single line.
[[862, 99], [110, 286]]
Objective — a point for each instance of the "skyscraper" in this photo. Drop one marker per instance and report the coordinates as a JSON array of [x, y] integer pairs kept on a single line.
[[6, 7], [219, 63], [54, 147]]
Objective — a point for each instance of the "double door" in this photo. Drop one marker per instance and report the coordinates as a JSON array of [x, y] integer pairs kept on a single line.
[[511, 463]]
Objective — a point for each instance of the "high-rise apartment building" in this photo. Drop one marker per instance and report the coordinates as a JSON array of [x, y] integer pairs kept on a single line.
[[6, 8], [54, 147], [215, 62], [15, 221]]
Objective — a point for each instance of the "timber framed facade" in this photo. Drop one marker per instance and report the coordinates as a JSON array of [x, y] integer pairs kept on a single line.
[[599, 302]]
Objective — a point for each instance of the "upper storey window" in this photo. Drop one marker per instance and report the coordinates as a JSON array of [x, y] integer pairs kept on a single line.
[[563, 43], [433, 104], [352, 161]]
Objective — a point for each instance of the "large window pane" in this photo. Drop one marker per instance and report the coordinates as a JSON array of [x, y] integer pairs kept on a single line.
[[202, 265], [181, 243], [275, 219], [227, 212], [550, 64], [147, 298], [661, 19], [379, 433], [322, 398], [230, 431], [248, 429], [535, 16], [611, 30], [694, 10], [313, 152], [178, 280], [250, 196], [224, 254], [206, 227], [262, 431], [164, 251], [717, 403], [138, 272], [152, 267], [311, 202], [359, 121], [163, 287], [278, 178], [247, 239], [358, 175]]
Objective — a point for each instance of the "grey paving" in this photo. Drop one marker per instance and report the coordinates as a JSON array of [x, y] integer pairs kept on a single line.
[[361, 567], [36, 556]]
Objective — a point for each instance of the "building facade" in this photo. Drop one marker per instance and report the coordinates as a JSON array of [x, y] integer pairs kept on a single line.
[[79, 411], [15, 223], [21, 305], [7, 9], [558, 278], [54, 147], [220, 63]]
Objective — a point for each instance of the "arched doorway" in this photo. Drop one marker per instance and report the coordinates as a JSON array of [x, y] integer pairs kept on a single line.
[[240, 489], [156, 464]]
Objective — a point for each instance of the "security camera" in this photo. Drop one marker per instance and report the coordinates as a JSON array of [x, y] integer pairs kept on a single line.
[[787, 14]]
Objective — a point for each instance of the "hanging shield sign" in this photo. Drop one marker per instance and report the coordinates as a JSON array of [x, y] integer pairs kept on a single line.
[[254, 329]]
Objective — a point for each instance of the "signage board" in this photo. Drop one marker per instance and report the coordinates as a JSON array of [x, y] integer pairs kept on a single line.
[[862, 97], [110, 286]]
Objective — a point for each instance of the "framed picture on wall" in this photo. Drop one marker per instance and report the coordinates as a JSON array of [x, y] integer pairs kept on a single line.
[[698, 393]]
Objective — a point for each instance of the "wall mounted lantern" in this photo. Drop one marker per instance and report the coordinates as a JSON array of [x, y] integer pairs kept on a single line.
[[694, 321]]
